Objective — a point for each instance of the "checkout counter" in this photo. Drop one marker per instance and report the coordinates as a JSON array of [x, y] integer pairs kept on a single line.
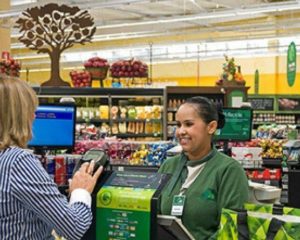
[[124, 205]]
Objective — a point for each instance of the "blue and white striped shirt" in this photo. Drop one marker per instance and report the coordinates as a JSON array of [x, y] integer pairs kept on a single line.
[[31, 205]]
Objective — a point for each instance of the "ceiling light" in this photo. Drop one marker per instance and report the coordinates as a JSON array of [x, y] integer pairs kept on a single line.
[[169, 20], [21, 2]]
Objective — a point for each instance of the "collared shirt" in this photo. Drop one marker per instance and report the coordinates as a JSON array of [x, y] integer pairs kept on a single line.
[[222, 183], [194, 168], [192, 174], [187, 171], [31, 205]]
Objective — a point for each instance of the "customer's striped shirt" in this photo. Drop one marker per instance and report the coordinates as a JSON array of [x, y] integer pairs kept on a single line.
[[30, 203]]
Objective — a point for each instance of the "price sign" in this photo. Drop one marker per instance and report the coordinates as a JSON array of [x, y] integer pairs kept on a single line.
[[266, 104]]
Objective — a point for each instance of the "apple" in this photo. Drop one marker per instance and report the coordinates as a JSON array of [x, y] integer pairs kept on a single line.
[[80, 78], [129, 68], [10, 67]]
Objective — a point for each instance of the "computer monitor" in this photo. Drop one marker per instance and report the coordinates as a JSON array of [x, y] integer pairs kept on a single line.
[[238, 125], [54, 127]]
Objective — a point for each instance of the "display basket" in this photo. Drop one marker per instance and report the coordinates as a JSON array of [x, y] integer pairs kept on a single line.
[[98, 73]]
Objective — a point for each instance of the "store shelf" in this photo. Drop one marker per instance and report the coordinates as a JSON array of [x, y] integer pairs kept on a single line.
[[94, 120], [135, 120], [98, 92], [278, 123], [172, 109], [172, 123], [134, 135], [89, 99], [80, 120], [271, 182], [272, 163], [262, 123], [293, 164], [254, 168]]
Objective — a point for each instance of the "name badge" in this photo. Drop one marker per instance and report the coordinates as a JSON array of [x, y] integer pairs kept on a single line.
[[178, 205]]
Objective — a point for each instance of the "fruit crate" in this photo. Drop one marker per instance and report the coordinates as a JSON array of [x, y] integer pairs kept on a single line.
[[98, 73]]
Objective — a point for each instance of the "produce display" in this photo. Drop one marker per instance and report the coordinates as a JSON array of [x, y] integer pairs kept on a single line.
[[91, 132], [82, 146], [97, 67], [264, 175], [126, 120], [276, 131], [129, 153], [128, 69], [271, 148], [10, 67], [81, 78]]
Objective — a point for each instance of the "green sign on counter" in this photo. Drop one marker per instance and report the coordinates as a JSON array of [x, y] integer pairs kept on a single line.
[[124, 206], [291, 64], [123, 213]]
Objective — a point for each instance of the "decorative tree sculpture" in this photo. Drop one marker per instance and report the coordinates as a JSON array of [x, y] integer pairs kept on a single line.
[[52, 29]]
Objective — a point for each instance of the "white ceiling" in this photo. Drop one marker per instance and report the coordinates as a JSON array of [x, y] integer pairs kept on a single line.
[[205, 20], [115, 17]]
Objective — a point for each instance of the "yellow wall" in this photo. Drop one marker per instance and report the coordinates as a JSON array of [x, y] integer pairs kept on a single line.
[[4, 32], [272, 73]]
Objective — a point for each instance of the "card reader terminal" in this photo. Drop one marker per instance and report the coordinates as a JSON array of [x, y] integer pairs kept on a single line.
[[98, 155]]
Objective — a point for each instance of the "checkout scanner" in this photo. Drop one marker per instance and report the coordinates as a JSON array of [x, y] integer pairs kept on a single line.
[[263, 193], [124, 204]]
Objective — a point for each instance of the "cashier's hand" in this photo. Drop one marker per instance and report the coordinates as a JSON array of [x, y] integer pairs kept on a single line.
[[84, 177]]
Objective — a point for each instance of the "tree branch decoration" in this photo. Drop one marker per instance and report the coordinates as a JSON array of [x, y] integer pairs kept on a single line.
[[52, 29]]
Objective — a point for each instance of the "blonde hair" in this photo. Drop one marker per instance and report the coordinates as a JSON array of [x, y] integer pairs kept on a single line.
[[18, 103]]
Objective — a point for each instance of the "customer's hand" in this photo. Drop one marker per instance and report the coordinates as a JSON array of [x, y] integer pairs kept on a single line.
[[84, 177]]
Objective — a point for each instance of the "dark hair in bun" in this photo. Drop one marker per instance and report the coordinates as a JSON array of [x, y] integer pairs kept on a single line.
[[207, 110]]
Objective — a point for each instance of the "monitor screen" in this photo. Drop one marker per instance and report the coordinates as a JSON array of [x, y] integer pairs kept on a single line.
[[238, 125], [53, 127]]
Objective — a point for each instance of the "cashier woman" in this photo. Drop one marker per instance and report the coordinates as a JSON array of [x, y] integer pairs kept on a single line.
[[30, 204], [203, 180]]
